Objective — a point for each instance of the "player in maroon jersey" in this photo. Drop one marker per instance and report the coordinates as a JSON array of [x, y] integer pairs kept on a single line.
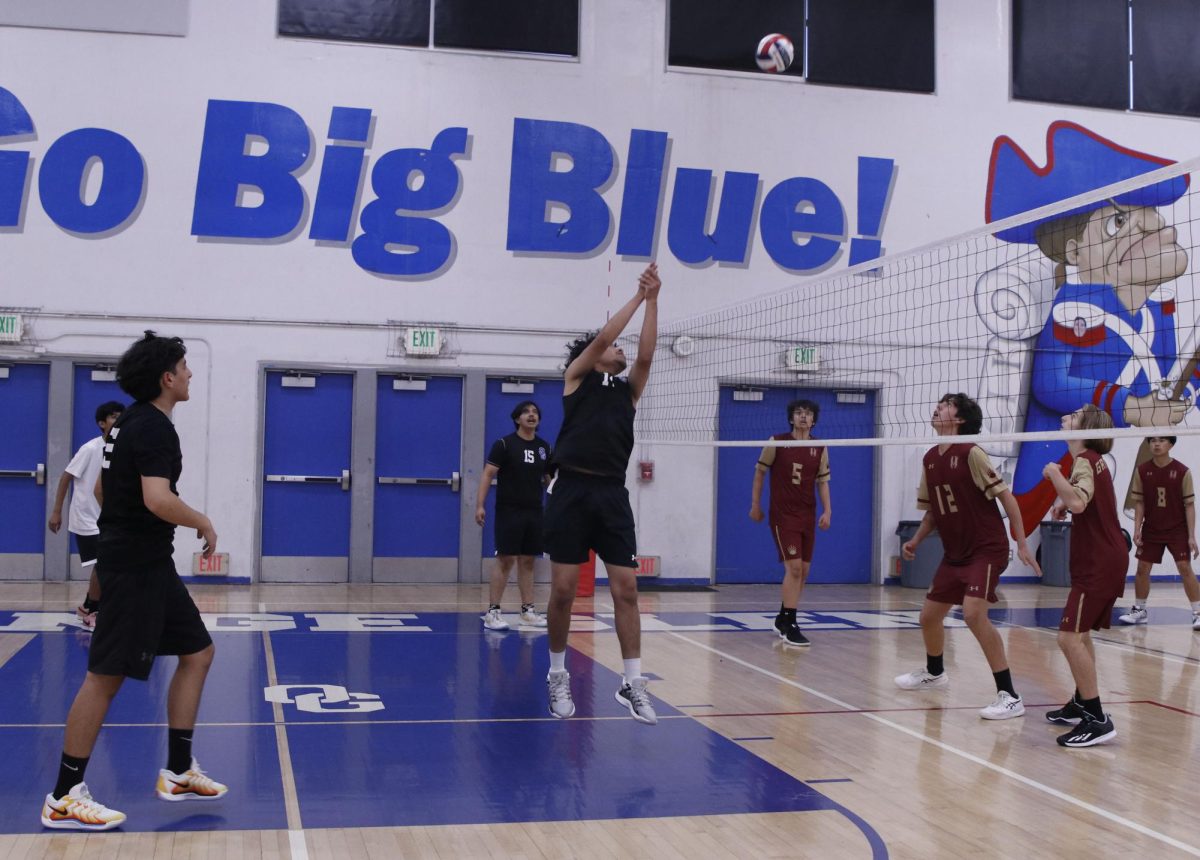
[[1099, 561], [1164, 517], [797, 474], [958, 493]]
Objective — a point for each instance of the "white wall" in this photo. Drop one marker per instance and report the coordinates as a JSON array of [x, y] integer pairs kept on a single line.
[[155, 91]]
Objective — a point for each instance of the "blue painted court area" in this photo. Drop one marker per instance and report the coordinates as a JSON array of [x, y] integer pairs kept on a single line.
[[451, 718]]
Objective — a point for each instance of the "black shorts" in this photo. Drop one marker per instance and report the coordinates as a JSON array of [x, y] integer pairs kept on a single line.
[[589, 512], [87, 549], [147, 613], [518, 531]]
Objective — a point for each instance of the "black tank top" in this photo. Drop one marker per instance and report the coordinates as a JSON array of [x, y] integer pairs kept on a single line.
[[597, 428]]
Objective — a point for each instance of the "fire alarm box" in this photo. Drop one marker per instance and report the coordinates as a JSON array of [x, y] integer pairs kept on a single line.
[[645, 470]]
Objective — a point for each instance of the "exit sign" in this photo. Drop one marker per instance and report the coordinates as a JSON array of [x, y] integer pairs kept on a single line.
[[803, 358], [422, 341], [216, 564], [11, 328], [649, 565]]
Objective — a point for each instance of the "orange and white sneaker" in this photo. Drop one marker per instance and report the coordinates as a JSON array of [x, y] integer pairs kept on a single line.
[[77, 810], [194, 784]]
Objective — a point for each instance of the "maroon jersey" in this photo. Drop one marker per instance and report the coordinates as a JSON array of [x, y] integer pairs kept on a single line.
[[795, 473], [1099, 556], [959, 488], [1165, 492]]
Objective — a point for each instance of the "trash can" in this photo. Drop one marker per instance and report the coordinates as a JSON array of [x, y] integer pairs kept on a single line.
[[1054, 554], [919, 572]]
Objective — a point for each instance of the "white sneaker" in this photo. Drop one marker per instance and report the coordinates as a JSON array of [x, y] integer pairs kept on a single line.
[[192, 784], [493, 619], [530, 617], [561, 703], [1004, 708], [921, 680], [633, 695], [78, 811], [1135, 615], [1196, 620]]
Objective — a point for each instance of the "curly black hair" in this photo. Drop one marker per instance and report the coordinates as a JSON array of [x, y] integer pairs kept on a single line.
[[140, 370], [576, 347]]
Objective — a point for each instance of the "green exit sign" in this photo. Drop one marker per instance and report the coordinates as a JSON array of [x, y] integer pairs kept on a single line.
[[803, 358], [422, 341], [11, 328]]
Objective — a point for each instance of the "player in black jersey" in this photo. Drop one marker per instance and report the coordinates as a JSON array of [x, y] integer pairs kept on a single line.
[[588, 506], [518, 462], [147, 609]]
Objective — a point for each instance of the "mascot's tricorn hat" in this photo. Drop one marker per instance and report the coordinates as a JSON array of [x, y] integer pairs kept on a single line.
[[1077, 161]]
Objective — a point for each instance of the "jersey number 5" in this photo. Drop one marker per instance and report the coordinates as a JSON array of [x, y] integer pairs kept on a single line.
[[797, 468]]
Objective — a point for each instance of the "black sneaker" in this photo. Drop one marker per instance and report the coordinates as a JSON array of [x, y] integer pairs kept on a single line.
[[1068, 715], [790, 633], [1089, 732]]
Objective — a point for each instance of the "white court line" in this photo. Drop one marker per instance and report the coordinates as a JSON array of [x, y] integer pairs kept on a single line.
[[1116, 646], [291, 798], [1032, 783], [297, 844]]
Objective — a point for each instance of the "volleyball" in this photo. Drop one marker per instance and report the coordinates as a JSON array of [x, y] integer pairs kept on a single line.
[[775, 53]]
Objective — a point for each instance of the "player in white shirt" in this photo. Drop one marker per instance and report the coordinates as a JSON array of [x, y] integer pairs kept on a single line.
[[81, 474]]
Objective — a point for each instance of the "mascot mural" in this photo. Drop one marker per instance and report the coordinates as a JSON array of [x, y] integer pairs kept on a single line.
[[1107, 334]]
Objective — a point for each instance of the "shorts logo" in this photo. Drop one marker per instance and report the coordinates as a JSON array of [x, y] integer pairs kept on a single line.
[[792, 549]]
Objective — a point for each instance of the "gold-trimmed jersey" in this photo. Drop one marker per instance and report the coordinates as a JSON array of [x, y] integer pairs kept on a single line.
[[959, 488], [795, 473], [1099, 555], [1165, 493]]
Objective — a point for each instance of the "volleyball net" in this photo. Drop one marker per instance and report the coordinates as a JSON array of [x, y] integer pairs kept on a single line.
[[1088, 300]]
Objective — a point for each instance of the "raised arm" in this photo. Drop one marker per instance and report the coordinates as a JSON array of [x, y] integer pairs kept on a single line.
[[583, 365], [648, 285]]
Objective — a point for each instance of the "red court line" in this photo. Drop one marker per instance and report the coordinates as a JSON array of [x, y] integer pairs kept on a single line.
[[1168, 707]]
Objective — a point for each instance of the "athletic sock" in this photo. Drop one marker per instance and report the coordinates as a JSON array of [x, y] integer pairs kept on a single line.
[[179, 750], [70, 774], [633, 669], [1092, 706], [933, 665], [558, 661], [788, 615], [1196, 606], [493, 606], [1004, 682]]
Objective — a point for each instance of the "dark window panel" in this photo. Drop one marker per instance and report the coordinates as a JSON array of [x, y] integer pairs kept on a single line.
[[722, 34], [884, 44], [1072, 52], [534, 26], [1166, 56], [389, 22]]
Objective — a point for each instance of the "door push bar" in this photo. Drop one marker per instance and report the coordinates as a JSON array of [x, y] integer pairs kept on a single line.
[[453, 482], [38, 474], [343, 481]]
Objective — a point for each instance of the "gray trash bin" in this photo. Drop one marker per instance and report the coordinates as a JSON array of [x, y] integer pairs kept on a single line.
[[919, 572], [1055, 553]]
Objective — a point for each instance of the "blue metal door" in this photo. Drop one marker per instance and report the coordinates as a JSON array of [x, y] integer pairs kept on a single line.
[[25, 405], [92, 385], [306, 477], [547, 394], [745, 551], [418, 466]]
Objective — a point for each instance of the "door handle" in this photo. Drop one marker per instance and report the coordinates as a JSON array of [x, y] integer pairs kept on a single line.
[[38, 474], [342, 480]]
